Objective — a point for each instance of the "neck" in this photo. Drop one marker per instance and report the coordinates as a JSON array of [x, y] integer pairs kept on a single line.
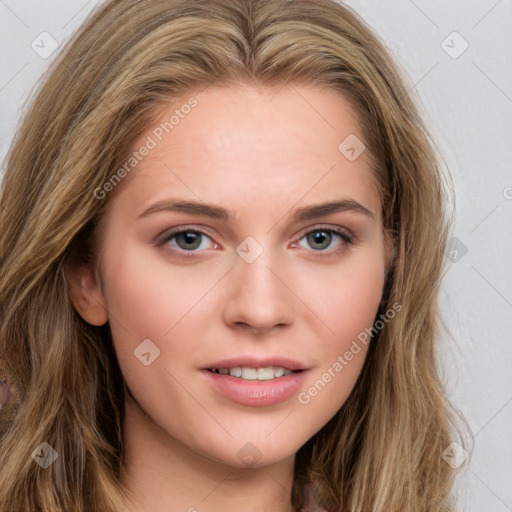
[[161, 473]]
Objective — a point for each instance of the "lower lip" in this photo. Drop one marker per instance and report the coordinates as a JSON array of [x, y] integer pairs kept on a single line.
[[256, 393]]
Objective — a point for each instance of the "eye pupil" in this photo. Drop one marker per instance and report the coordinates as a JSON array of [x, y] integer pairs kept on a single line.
[[189, 237], [317, 237]]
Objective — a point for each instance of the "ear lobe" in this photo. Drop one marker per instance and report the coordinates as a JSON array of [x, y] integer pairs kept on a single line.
[[85, 291]]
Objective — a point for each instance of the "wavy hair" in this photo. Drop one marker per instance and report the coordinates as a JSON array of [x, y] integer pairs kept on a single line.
[[382, 450]]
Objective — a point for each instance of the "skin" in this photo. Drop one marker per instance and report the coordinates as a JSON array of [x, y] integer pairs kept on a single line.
[[262, 153]]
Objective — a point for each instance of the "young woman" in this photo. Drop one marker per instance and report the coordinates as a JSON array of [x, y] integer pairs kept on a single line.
[[222, 235]]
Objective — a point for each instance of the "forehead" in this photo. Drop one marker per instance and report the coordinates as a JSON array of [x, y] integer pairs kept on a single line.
[[253, 145]]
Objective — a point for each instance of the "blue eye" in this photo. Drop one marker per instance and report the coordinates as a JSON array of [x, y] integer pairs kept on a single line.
[[323, 238], [190, 241], [185, 240]]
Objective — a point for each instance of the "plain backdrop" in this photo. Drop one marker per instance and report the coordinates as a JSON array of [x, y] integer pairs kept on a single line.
[[458, 57]]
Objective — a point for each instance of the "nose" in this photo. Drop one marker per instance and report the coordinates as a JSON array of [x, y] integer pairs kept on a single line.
[[259, 297]]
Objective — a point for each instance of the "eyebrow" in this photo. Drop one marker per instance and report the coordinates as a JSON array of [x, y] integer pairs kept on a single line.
[[217, 212]]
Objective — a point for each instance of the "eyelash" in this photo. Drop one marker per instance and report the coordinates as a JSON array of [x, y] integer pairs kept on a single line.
[[347, 237]]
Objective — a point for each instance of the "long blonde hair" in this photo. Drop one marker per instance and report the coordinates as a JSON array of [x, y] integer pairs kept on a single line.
[[382, 450]]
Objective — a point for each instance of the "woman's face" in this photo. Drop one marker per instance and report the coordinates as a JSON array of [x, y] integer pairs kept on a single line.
[[217, 254]]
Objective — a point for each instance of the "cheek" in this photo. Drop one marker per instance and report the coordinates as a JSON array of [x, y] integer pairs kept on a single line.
[[149, 296], [348, 307], [151, 299], [346, 297]]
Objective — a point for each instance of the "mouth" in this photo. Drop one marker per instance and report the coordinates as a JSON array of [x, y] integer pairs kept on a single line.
[[256, 382]]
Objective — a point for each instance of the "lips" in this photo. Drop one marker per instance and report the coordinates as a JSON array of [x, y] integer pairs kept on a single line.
[[253, 391], [256, 393]]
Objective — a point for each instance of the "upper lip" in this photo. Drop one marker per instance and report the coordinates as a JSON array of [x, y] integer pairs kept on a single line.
[[258, 362]]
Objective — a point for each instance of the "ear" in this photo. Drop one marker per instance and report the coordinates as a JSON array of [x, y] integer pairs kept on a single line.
[[85, 289]]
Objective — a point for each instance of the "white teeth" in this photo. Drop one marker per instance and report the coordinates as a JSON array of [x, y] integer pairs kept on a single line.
[[251, 373], [236, 372], [266, 373], [278, 372]]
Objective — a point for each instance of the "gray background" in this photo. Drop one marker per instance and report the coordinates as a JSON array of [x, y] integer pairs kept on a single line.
[[467, 97]]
